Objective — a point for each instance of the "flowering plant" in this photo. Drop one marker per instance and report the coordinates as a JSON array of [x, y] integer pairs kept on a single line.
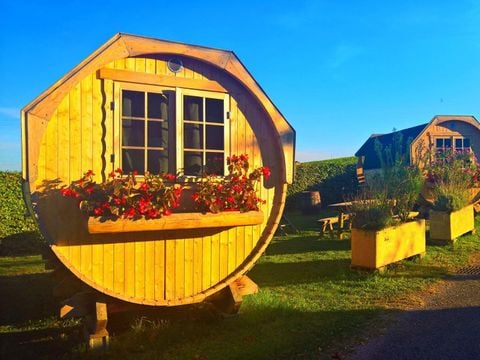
[[124, 196], [236, 191], [452, 175]]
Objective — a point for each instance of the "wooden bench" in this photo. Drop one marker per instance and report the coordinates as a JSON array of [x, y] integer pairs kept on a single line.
[[328, 222]]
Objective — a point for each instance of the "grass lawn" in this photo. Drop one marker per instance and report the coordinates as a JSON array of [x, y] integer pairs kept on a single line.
[[310, 305]]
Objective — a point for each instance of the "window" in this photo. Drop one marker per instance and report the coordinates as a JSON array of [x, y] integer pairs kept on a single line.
[[446, 144], [203, 135], [165, 130], [462, 144], [145, 131]]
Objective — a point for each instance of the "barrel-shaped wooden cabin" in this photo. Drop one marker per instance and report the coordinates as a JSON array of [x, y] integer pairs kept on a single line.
[[136, 87]]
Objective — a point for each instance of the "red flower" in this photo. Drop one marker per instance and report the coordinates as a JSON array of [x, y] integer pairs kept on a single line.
[[98, 211], [112, 174], [170, 177], [134, 172], [230, 199], [105, 205], [119, 171], [144, 186], [89, 173], [89, 189], [152, 213], [266, 172], [167, 212], [244, 157], [130, 213], [195, 196]]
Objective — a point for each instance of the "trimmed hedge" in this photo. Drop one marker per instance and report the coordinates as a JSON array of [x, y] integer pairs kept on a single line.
[[12, 208], [335, 180]]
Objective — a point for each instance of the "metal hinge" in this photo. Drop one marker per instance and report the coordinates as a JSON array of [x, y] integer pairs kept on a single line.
[[112, 105], [112, 158], [228, 114]]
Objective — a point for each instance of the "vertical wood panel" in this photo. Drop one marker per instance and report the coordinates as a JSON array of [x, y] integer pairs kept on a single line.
[[51, 148], [97, 116], [207, 262], [75, 136], [86, 260], [160, 67], [150, 66], [232, 249], [130, 269], [86, 124], [108, 261], [119, 268], [159, 269], [197, 265], [170, 269], [179, 269], [139, 269], [223, 254], [150, 270], [189, 272], [215, 259], [63, 140], [97, 263]]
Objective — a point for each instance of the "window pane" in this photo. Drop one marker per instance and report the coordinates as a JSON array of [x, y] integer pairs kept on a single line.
[[215, 137], [133, 133], [193, 108], [448, 143], [193, 136], [439, 143], [214, 110], [157, 106], [466, 142], [458, 143], [192, 163], [157, 161], [133, 103], [133, 160], [214, 164], [158, 134]]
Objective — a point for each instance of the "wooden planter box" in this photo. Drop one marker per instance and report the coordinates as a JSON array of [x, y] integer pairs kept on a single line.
[[374, 249], [176, 222], [449, 226]]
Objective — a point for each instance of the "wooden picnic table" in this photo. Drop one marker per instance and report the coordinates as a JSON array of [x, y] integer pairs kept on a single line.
[[341, 208]]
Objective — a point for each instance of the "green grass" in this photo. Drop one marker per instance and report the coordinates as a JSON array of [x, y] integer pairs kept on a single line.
[[310, 304]]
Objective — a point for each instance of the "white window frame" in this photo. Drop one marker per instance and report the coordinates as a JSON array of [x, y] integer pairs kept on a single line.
[[176, 110], [180, 93]]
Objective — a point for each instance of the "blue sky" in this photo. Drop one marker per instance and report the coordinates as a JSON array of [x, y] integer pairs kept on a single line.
[[338, 70]]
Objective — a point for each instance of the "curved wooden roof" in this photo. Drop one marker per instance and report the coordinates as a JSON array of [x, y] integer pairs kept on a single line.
[[121, 46]]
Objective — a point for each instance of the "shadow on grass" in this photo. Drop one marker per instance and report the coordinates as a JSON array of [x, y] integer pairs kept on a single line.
[[259, 332], [301, 272], [303, 244], [22, 244], [26, 298]]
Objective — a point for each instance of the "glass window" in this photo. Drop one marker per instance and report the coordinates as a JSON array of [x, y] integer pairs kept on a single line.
[[145, 132], [203, 135]]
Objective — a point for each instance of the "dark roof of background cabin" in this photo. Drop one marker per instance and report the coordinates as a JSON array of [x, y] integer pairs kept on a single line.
[[368, 148]]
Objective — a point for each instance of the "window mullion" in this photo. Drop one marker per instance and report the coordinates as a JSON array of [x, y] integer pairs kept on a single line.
[[145, 107]]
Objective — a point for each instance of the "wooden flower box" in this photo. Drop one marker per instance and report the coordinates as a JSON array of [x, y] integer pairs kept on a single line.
[[374, 249], [449, 226], [177, 221]]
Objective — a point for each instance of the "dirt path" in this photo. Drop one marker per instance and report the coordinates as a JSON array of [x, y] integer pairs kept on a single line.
[[447, 326]]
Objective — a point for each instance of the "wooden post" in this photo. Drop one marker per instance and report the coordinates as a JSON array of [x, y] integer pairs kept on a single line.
[[228, 300], [96, 328]]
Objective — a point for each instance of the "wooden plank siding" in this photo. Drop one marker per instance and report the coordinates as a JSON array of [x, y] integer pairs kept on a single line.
[[153, 269]]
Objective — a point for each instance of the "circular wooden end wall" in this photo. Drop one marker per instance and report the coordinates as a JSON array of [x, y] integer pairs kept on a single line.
[[171, 267]]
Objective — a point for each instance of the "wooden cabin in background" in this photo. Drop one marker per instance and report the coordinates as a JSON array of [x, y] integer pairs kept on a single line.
[[442, 133], [140, 103]]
